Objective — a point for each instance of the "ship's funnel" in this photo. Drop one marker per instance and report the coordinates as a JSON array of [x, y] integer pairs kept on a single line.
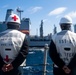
[[9, 12]]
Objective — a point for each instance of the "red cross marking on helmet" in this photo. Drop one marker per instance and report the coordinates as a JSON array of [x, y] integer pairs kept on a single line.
[[14, 18], [6, 58]]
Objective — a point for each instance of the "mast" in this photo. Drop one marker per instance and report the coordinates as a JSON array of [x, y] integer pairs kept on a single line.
[[19, 11]]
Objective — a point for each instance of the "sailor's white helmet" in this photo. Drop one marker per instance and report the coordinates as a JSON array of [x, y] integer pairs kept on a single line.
[[66, 19], [13, 18]]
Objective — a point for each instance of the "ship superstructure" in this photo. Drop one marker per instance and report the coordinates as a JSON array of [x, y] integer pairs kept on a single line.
[[9, 12], [25, 26], [41, 29]]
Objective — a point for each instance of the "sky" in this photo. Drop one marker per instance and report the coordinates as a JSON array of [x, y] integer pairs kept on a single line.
[[50, 11]]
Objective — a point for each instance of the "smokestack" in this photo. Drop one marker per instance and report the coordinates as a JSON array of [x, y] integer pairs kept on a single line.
[[9, 12]]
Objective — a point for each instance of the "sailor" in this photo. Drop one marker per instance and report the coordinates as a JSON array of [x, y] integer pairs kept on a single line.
[[63, 48], [13, 47]]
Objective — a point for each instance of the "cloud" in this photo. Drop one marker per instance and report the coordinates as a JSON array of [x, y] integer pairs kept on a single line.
[[5, 6], [57, 11], [34, 9], [72, 14]]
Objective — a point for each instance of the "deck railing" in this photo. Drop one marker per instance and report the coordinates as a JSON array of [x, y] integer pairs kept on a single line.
[[29, 70]]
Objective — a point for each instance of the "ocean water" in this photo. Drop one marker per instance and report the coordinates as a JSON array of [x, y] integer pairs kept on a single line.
[[34, 63]]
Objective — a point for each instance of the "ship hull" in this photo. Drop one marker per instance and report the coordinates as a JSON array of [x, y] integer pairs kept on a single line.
[[38, 43]]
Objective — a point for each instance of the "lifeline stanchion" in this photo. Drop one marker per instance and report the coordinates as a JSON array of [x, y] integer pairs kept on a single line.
[[45, 58]]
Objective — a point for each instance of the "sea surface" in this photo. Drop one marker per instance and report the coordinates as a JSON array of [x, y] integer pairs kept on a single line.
[[35, 63]]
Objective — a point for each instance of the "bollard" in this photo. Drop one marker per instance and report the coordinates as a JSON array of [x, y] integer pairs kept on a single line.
[[45, 58]]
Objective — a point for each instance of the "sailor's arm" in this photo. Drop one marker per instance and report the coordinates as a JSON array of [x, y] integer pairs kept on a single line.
[[72, 63], [22, 55], [55, 56], [1, 62]]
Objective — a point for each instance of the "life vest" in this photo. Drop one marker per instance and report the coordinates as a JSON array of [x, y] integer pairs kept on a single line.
[[10, 44], [65, 42]]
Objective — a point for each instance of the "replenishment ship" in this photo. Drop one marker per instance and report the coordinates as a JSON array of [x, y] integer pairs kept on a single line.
[[25, 26]]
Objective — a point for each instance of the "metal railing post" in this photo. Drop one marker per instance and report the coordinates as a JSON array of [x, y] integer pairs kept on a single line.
[[45, 58]]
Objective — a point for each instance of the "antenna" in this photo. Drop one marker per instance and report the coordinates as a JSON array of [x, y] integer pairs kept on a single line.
[[55, 29], [37, 32]]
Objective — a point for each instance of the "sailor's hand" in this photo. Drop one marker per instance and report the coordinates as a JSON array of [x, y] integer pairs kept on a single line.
[[7, 67], [4, 68], [66, 69]]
